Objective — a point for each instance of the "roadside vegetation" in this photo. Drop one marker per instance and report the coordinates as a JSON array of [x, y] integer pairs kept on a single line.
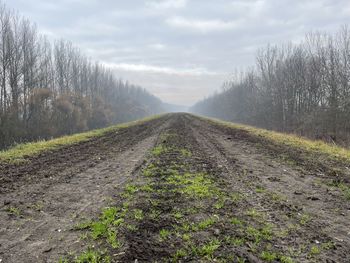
[[21, 152], [50, 88], [300, 88], [291, 141], [330, 161]]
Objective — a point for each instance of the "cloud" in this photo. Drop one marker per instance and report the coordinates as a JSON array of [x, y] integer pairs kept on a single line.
[[167, 4], [181, 50], [203, 26], [157, 46], [163, 70]]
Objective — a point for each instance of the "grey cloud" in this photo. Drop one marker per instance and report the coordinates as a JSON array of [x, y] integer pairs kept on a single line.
[[164, 44]]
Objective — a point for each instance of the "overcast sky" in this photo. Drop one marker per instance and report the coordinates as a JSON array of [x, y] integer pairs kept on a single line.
[[180, 50]]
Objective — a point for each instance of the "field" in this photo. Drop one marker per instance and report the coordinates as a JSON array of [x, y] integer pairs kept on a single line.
[[176, 188]]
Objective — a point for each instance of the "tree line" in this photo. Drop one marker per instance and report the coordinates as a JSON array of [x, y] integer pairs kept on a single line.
[[50, 89], [302, 88]]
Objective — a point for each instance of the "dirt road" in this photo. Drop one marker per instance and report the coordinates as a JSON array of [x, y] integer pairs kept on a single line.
[[182, 189]]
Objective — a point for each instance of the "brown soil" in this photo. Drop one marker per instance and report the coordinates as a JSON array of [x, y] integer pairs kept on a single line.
[[269, 206]]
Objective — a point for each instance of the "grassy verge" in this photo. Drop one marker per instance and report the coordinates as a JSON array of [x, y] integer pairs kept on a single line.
[[18, 153], [317, 147]]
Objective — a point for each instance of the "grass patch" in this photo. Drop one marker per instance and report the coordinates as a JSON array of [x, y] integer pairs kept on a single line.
[[160, 149], [205, 224], [164, 234], [315, 251], [106, 226], [304, 219], [92, 256], [18, 153], [317, 147], [195, 185], [235, 221], [207, 250], [268, 256], [138, 214], [259, 234]]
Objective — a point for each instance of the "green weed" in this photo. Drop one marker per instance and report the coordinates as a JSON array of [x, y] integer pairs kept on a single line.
[[260, 189], [208, 249], [206, 223], [164, 234], [315, 250], [305, 218], [92, 256], [236, 221], [268, 256], [180, 253], [14, 211], [138, 214]]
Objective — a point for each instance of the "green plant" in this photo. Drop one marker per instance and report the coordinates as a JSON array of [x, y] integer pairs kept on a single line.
[[328, 245], [236, 221], [138, 214], [83, 225], [345, 189], [240, 260], [186, 237], [112, 238], [285, 259], [98, 229], [268, 256], [131, 189], [314, 251], [235, 241], [260, 189], [254, 214], [206, 223], [92, 256], [305, 218], [208, 249], [264, 233], [180, 253], [14, 211], [178, 215], [220, 204], [158, 150], [164, 234]]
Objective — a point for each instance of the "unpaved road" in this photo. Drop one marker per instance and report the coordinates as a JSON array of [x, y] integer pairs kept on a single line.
[[248, 205]]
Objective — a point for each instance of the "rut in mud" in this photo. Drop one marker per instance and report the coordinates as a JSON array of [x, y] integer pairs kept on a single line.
[[177, 189]]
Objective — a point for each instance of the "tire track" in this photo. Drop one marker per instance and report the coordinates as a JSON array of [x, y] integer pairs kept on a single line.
[[49, 209], [251, 170]]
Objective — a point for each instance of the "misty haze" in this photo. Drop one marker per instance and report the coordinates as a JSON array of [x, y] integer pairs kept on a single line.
[[174, 131]]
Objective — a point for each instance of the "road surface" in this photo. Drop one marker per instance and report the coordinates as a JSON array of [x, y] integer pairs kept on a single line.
[[256, 207]]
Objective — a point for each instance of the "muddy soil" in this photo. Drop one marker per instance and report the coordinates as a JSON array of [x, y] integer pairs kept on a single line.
[[56, 190], [189, 191]]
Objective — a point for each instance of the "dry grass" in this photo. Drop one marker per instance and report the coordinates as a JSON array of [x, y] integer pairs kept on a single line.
[[293, 141], [18, 153]]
